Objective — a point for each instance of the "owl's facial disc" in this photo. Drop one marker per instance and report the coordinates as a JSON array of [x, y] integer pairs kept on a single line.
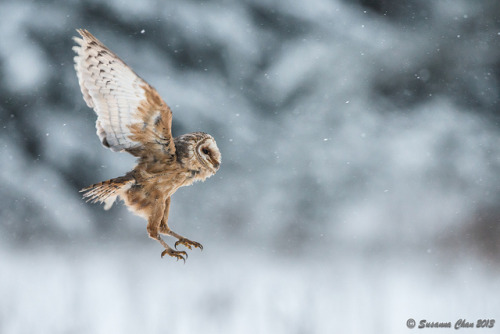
[[208, 154]]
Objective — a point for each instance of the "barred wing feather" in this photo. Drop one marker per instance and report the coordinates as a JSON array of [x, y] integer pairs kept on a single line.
[[131, 115]]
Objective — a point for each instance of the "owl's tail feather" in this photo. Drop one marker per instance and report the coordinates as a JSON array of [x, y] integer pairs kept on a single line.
[[107, 191]]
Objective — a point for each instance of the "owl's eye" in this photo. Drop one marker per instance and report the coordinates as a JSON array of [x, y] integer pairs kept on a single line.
[[205, 151]]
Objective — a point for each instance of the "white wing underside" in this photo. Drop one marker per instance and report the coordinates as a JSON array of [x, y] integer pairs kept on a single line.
[[112, 89]]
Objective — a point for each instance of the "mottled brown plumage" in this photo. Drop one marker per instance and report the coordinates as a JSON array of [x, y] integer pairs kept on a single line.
[[133, 118]]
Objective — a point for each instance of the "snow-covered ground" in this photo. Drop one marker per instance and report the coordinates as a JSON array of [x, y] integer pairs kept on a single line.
[[123, 288]]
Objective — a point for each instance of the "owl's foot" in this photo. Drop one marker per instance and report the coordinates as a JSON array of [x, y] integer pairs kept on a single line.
[[180, 255], [188, 243], [164, 229]]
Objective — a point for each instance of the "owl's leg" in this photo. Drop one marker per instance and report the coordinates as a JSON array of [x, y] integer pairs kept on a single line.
[[153, 227], [164, 229]]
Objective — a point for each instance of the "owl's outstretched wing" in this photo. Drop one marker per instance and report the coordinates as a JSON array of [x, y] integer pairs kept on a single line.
[[131, 115]]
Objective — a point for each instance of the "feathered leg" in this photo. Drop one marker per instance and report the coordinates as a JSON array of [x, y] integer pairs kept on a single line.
[[164, 229], [153, 225]]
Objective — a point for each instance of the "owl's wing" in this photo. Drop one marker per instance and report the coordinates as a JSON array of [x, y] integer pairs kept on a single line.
[[131, 115]]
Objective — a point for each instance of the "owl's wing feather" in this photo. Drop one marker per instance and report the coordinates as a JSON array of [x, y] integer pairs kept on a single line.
[[131, 115]]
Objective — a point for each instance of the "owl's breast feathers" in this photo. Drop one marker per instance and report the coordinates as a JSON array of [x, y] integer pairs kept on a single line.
[[154, 181]]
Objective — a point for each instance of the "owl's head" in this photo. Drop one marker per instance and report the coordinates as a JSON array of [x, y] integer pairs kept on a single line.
[[198, 152], [208, 153]]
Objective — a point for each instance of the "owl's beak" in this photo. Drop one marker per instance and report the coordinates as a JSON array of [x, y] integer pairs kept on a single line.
[[215, 164]]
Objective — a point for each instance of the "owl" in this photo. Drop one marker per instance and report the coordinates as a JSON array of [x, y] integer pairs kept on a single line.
[[133, 118]]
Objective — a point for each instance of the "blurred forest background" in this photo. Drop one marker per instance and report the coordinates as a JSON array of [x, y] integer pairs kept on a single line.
[[359, 184]]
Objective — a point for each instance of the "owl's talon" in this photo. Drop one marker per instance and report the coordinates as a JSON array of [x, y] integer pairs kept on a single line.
[[188, 243], [179, 255]]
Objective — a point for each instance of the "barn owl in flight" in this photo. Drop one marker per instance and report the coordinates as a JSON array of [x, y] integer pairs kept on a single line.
[[133, 118]]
